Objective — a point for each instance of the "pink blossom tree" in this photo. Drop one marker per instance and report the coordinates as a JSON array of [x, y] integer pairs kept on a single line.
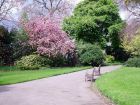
[[47, 36]]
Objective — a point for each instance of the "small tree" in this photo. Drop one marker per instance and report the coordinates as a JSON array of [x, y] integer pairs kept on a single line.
[[90, 54], [47, 37]]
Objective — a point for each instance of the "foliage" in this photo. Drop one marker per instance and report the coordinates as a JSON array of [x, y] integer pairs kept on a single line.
[[133, 62], [132, 46], [95, 22], [22, 76], [20, 44], [57, 61], [119, 54], [109, 59], [91, 55], [5, 46], [31, 62], [70, 59], [47, 37], [121, 86]]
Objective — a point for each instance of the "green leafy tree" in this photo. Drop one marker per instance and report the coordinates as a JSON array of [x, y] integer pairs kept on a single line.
[[95, 21], [20, 44], [90, 54]]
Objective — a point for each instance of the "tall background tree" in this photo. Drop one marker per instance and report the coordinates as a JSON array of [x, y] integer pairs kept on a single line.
[[96, 22], [21, 46]]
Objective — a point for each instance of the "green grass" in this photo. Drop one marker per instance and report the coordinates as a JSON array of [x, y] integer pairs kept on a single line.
[[8, 68], [121, 86], [17, 76]]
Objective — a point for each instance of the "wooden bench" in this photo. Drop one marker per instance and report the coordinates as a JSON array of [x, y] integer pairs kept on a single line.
[[91, 76]]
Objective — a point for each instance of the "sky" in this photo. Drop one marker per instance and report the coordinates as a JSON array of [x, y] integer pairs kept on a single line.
[[123, 13], [16, 12]]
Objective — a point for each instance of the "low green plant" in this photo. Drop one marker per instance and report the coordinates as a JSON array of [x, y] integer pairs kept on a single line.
[[109, 59], [132, 46], [31, 62], [133, 62]]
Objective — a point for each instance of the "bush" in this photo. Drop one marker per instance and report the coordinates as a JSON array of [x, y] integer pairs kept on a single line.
[[109, 59], [91, 55], [31, 62], [70, 59], [133, 62], [57, 61], [132, 46]]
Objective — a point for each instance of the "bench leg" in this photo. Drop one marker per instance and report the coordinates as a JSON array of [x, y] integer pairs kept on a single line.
[[92, 78]]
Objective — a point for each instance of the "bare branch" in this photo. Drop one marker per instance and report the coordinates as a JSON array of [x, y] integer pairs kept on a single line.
[[53, 8]]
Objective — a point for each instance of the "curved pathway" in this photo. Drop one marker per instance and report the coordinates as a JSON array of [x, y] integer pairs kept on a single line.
[[68, 89]]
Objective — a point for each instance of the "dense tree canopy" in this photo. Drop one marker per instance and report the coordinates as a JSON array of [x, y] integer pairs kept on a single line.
[[95, 21]]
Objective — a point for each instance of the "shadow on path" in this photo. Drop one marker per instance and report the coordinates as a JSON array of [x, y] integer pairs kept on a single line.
[[4, 89]]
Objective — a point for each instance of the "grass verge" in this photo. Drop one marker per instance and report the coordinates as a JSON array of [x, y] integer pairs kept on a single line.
[[121, 86], [16, 76]]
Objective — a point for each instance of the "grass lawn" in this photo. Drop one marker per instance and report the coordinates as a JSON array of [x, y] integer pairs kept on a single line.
[[11, 75], [121, 86]]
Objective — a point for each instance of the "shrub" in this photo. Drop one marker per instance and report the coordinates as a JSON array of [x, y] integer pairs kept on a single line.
[[132, 46], [133, 62], [91, 55], [57, 61], [31, 62], [70, 59], [109, 59]]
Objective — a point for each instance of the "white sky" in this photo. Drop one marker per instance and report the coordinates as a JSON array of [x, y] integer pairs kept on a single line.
[[16, 12], [123, 13]]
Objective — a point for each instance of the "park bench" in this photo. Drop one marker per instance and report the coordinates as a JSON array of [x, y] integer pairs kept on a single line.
[[91, 76]]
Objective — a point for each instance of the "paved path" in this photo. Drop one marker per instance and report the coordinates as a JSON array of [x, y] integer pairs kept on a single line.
[[68, 89]]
